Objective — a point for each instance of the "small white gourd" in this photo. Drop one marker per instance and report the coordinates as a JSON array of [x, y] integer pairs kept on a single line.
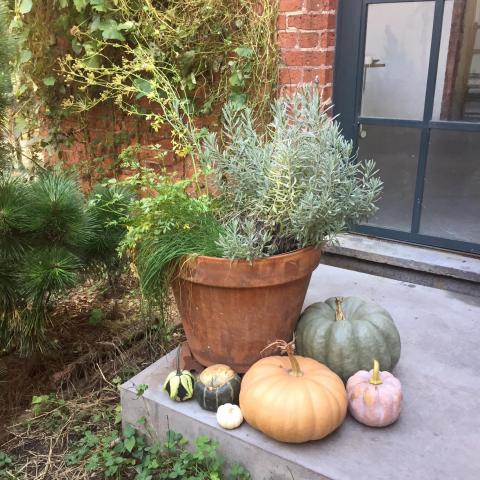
[[229, 416]]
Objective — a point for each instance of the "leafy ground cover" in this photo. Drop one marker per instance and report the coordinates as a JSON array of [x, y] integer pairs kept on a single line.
[[60, 416]]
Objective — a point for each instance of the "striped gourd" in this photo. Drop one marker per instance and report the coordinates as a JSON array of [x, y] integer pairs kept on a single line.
[[179, 383]]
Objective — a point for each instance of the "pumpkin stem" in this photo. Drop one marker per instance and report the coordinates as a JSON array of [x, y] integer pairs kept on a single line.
[[338, 309], [289, 349], [376, 380]]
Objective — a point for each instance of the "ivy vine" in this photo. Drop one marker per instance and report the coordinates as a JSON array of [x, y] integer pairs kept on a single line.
[[159, 60]]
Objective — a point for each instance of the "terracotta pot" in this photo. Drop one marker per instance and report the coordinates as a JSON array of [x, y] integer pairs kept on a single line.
[[231, 310]]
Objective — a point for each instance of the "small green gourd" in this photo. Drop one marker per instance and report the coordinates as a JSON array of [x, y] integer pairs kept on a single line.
[[217, 385]]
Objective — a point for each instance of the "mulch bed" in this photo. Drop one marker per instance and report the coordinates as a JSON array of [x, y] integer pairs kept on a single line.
[[81, 345]]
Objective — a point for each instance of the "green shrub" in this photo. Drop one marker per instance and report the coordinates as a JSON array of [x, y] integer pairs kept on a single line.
[[165, 225], [49, 239], [96, 317], [13, 217], [108, 206], [56, 213]]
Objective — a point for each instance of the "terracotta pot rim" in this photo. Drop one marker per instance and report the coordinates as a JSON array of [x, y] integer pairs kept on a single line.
[[250, 262], [264, 272]]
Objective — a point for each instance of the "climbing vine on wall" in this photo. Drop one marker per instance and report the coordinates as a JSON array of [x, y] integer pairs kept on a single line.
[[160, 60]]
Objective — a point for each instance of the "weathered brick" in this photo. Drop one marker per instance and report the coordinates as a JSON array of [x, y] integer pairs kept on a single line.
[[290, 5], [320, 5], [307, 59], [324, 76], [290, 76], [311, 21], [281, 22], [327, 39], [308, 39], [287, 39]]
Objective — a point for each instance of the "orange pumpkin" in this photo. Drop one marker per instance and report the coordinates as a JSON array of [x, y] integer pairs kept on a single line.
[[292, 399]]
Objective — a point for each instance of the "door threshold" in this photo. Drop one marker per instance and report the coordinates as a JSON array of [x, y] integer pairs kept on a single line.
[[421, 265]]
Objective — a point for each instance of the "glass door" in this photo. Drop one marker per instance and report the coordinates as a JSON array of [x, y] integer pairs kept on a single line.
[[407, 91]]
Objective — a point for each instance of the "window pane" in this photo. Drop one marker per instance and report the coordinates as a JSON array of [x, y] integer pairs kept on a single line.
[[395, 151], [457, 92], [397, 53], [451, 202]]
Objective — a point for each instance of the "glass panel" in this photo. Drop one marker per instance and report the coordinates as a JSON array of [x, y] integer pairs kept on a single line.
[[457, 92], [395, 151], [451, 201], [397, 54]]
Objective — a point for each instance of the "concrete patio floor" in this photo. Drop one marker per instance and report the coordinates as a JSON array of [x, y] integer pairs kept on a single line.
[[438, 434]]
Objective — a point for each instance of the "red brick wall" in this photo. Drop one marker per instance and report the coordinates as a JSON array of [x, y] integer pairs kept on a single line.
[[306, 36], [94, 142]]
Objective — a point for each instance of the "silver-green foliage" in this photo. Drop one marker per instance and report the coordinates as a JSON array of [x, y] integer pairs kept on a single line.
[[296, 184], [244, 239]]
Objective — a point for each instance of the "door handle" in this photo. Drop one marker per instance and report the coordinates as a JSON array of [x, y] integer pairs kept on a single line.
[[371, 62], [362, 133]]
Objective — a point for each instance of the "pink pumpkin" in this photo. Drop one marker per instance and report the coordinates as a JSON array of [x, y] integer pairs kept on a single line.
[[374, 397]]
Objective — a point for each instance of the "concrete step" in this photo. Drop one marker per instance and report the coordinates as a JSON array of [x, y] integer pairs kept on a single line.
[[431, 267], [438, 434]]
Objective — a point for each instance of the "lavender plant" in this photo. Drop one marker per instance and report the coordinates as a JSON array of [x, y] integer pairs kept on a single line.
[[297, 184]]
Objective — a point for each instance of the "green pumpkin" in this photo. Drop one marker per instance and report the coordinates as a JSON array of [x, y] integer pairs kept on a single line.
[[215, 386], [347, 334]]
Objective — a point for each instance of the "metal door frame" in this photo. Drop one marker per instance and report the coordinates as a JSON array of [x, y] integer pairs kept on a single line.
[[347, 96]]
